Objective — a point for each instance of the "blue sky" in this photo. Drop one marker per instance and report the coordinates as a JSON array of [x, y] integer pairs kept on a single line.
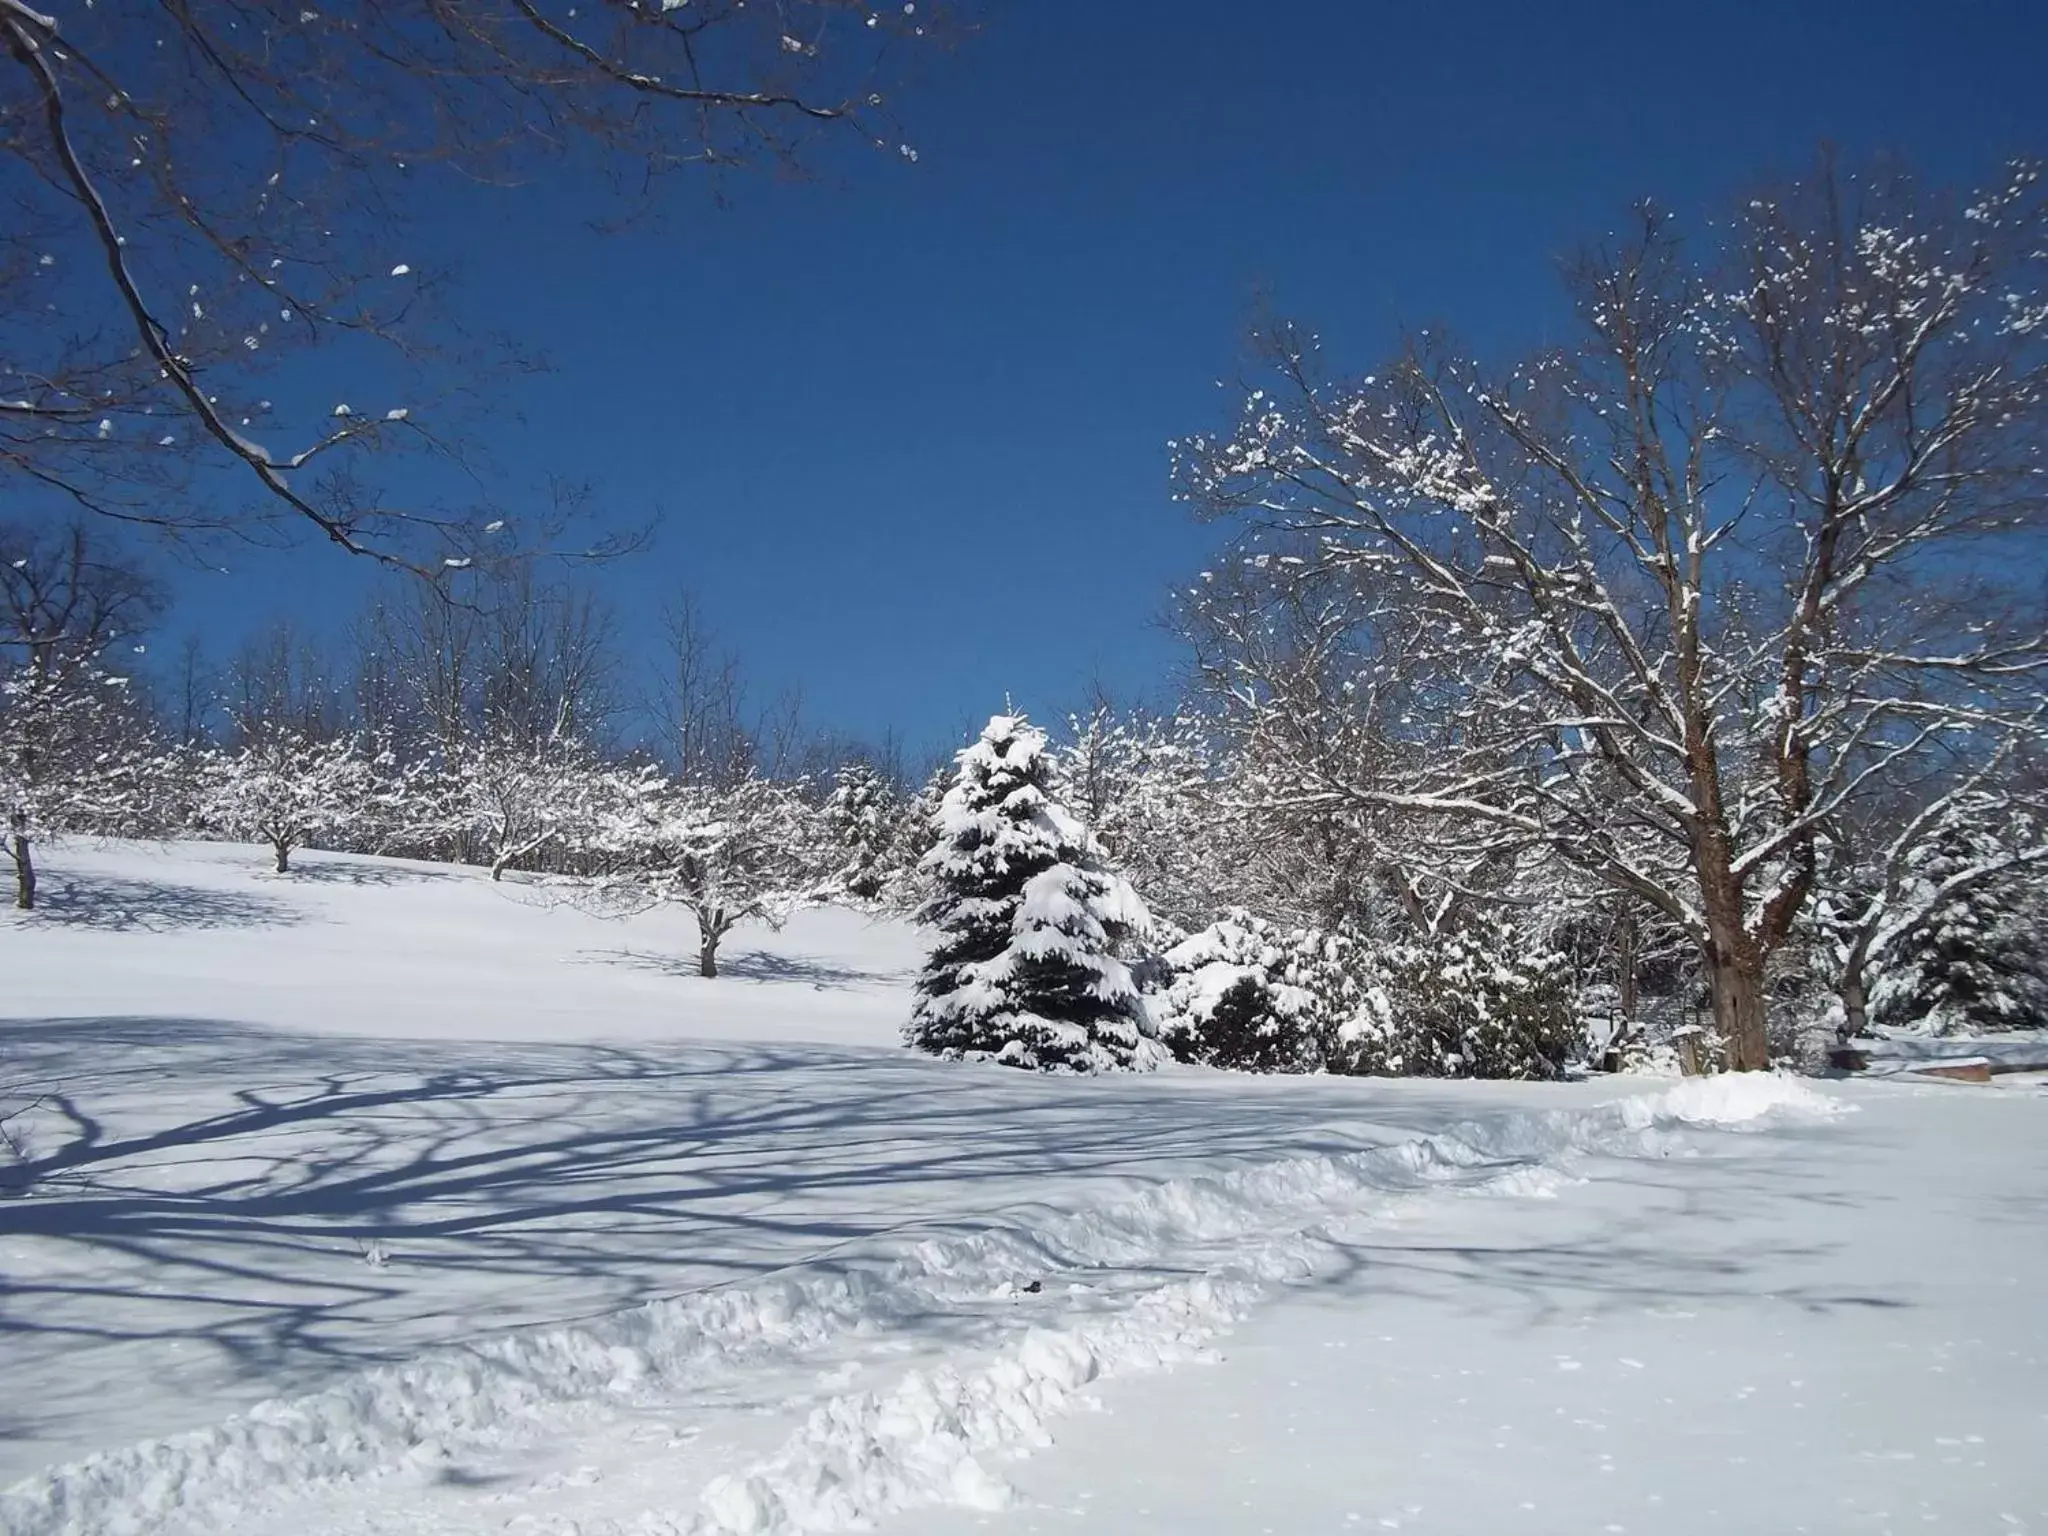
[[905, 425]]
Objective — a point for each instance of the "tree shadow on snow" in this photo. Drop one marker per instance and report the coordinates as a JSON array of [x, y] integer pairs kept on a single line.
[[315, 870], [747, 965], [279, 1206], [114, 905], [1686, 1241], [290, 1204]]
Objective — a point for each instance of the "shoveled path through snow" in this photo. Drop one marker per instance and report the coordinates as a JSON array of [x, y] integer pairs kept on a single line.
[[1823, 1327], [844, 1394]]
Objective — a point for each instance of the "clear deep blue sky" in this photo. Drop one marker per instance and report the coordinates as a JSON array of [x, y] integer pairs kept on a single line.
[[906, 425]]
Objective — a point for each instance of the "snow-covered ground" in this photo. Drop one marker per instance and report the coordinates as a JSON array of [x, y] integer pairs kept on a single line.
[[378, 1198]]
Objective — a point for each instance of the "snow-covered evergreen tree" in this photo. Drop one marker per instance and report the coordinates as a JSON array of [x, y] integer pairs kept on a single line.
[[1029, 918], [1977, 960], [1248, 995], [861, 816], [913, 835]]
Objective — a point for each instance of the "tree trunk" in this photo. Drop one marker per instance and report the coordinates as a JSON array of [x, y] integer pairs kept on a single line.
[[1855, 999], [24, 868], [707, 950], [284, 857], [1735, 970], [1627, 941]]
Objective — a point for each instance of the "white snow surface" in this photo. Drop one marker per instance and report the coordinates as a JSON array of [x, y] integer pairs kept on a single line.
[[381, 1199]]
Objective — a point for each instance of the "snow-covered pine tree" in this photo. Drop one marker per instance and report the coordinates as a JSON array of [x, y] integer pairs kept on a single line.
[[1977, 961], [861, 815], [1029, 916], [913, 835]]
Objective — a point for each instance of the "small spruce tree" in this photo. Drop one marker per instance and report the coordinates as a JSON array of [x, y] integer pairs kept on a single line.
[[1029, 917], [860, 815]]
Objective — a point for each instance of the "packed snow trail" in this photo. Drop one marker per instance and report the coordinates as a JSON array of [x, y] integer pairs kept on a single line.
[[977, 1344], [297, 1127], [1834, 1329]]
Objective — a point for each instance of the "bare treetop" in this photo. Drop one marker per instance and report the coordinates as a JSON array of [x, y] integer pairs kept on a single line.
[[196, 190]]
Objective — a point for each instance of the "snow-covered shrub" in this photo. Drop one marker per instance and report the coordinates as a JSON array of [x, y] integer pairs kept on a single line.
[[1248, 995], [1029, 919], [1476, 1001], [1978, 960]]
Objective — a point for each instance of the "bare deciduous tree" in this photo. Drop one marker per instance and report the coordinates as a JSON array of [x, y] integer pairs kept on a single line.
[[1764, 543], [66, 598], [696, 700]]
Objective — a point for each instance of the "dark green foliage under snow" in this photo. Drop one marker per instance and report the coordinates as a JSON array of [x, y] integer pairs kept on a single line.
[[861, 816], [1254, 997], [1478, 1001]]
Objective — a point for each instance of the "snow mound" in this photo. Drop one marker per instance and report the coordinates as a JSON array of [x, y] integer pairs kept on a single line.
[[1728, 1099]]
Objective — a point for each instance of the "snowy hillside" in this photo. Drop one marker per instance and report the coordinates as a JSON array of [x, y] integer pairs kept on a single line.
[[380, 1198], [403, 950]]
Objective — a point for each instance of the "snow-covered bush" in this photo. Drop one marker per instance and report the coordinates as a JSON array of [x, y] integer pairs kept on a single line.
[[1476, 1001], [1029, 919], [1248, 995], [288, 789]]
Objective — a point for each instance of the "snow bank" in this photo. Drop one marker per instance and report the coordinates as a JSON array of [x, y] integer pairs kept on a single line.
[[1728, 1099], [864, 1455]]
